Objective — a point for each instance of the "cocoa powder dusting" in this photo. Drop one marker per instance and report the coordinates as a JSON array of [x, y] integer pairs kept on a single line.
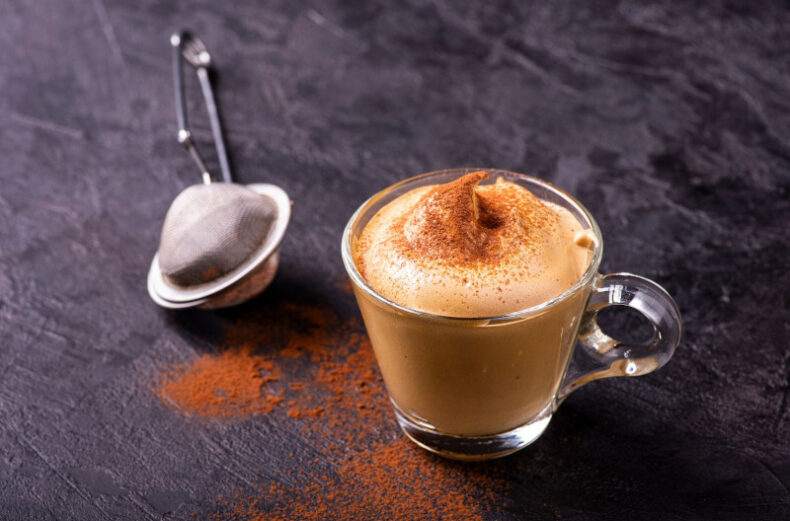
[[465, 223], [303, 364]]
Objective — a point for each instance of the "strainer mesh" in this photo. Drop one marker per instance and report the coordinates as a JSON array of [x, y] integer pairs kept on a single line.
[[210, 230]]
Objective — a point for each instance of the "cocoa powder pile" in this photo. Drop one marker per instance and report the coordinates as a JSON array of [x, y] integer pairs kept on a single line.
[[301, 363], [225, 385]]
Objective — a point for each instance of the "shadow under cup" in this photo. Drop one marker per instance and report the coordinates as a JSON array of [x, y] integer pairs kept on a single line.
[[479, 388]]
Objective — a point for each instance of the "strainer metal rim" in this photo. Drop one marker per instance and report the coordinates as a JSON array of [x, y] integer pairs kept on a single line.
[[173, 295], [152, 274]]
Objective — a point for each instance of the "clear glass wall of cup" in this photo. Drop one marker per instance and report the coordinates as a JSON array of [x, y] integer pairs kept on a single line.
[[480, 388]]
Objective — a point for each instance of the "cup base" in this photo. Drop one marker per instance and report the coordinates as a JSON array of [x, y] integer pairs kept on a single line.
[[473, 448]]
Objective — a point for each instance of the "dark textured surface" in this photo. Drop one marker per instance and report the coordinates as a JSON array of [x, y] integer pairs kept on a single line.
[[669, 121]]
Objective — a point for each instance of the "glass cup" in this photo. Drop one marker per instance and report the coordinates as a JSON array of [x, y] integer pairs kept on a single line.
[[481, 388]]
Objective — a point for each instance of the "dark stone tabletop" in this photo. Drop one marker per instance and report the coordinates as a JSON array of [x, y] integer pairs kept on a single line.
[[670, 121]]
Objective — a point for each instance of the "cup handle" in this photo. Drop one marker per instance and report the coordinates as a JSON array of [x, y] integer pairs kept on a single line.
[[606, 357]]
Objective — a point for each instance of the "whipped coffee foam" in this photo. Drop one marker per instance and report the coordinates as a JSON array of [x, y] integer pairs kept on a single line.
[[469, 250]]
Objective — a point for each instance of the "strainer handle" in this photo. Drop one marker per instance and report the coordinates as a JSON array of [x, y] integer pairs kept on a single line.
[[199, 58]]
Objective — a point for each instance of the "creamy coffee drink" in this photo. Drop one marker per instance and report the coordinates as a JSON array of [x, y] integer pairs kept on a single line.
[[471, 250], [468, 250]]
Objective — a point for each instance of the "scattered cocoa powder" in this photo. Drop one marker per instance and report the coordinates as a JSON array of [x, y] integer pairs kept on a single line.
[[389, 480], [296, 412], [367, 469]]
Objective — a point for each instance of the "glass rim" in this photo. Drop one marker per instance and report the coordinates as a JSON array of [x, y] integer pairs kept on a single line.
[[359, 280]]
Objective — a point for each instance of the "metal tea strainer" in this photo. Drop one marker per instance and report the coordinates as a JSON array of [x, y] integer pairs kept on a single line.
[[220, 241]]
